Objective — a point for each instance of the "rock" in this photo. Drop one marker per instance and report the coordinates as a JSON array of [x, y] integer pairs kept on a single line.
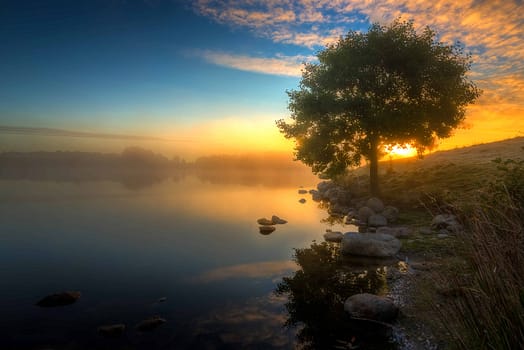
[[301, 191], [150, 324], [338, 209], [333, 236], [370, 244], [352, 213], [446, 221], [324, 186], [302, 200], [377, 220], [390, 213], [425, 230], [112, 330], [398, 232], [315, 195], [371, 307], [59, 299], [161, 300], [375, 204], [442, 235], [266, 230], [264, 221], [278, 221], [364, 213]]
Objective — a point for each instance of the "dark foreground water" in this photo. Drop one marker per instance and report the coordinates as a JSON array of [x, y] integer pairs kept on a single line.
[[185, 249]]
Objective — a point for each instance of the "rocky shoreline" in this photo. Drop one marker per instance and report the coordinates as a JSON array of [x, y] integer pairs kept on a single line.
[[380, 236]]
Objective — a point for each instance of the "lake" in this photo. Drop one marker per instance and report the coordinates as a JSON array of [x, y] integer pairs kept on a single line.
[[186, 248]]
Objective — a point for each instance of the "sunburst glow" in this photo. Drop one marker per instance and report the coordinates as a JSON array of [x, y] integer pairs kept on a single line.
[[401, 151]]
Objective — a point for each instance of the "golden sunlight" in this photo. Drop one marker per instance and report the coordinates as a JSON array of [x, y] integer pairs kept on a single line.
[[400, 151]]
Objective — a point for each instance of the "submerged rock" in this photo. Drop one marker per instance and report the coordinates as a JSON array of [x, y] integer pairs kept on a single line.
[[150, 324], [264, 221], [112, 330], [371, 307], [59, 299], [302, 200], [302, 191], [370, 244], [333, 236], [266, 230]]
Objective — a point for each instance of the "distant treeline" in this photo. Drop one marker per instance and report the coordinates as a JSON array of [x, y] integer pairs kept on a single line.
[[143, 159], [131, 157]]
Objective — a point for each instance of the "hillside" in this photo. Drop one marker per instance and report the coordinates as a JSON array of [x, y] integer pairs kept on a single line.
[[452, 174]]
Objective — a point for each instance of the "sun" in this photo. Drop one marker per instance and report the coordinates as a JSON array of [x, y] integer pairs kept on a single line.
[[401, 151]]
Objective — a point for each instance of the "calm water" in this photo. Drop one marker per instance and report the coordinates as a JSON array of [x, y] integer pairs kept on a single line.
[[193, 241]]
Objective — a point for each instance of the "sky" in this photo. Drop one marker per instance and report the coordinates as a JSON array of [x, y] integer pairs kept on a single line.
[[200, 77]]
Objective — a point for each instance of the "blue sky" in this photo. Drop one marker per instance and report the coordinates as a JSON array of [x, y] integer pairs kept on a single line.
[[214, 73]]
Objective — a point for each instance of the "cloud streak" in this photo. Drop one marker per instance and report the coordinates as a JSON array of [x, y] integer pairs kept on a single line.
[[280, 65], [35, 131]]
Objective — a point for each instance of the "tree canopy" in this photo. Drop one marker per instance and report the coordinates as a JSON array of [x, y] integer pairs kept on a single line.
[[388, 86]]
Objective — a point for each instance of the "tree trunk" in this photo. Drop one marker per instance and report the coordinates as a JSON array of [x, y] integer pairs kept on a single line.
[[374, 186]]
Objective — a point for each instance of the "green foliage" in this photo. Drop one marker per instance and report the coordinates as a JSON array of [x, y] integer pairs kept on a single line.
[[390, 85]]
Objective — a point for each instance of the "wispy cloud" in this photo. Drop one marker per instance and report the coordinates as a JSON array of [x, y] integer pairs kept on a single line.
[[22, 130], [278, 65], [492, 30]]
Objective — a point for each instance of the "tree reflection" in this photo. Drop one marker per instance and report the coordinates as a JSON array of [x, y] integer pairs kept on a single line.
[[316, 295]]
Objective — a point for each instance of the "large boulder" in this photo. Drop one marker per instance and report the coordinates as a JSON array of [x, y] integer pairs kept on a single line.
[[398, 231], [370, 244], [375, 204], [371, 307], [364, 213], [333, 236], [377, 220]]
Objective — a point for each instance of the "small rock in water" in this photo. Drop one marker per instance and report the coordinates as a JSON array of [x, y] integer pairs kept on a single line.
[[278, 221], [161, 300], [59, 299], [264, 221], [266, 230], [112, 330], [302, 191], [302, 200], [150, 324]]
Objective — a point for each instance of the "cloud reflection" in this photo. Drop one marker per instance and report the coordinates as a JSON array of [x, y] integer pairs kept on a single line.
[[266, 269]]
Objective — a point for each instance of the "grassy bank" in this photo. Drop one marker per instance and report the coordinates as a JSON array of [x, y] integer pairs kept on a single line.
[[469, 287]]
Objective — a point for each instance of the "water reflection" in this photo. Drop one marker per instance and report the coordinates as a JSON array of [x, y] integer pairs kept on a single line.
[[316, 294]]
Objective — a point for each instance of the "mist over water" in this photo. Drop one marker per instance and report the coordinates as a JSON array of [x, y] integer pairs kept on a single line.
[[126, 239]]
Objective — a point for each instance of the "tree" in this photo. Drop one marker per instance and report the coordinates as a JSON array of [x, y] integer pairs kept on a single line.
[[389, 86]]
